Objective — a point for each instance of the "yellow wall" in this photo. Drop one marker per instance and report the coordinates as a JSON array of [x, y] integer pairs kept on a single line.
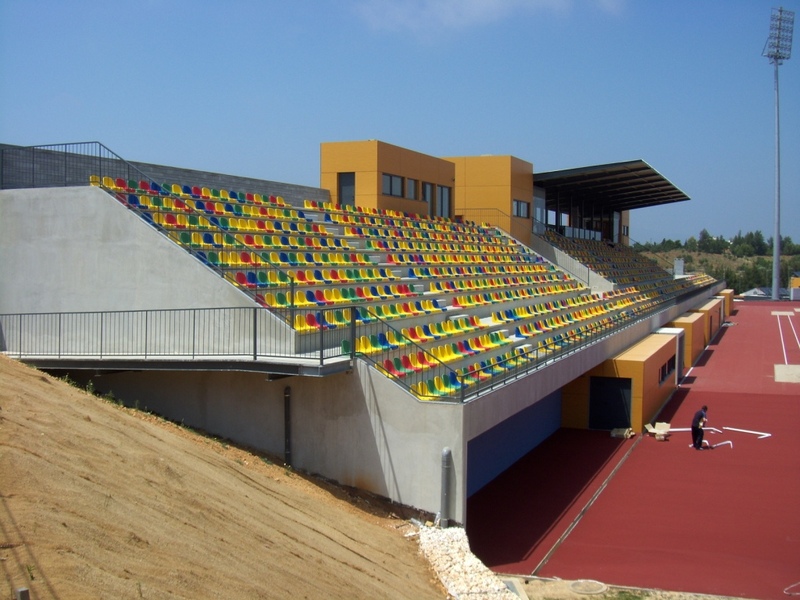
[[369, 160], [486, 187], [693, 325], [712, 313], [642, 364], [727, 301], [575, 403]]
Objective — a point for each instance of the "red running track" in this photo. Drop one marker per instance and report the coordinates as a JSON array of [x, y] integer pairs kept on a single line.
[[723, 521]]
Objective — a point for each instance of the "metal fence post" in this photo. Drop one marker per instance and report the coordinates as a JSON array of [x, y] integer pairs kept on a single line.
[[352, 332], [255, 333]]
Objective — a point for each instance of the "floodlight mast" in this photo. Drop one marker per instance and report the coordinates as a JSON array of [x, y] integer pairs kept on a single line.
[[778, 49]]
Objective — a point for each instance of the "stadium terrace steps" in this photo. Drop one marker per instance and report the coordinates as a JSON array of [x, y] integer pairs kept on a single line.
[[441, 305]]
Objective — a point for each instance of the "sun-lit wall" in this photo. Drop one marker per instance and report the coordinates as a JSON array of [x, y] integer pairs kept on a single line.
[[693, 325], [651, 384], [388, 177], [727, 300], [495, 189], [713, 312]]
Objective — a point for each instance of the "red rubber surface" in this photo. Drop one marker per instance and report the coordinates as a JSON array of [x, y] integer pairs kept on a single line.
[[723, 521]]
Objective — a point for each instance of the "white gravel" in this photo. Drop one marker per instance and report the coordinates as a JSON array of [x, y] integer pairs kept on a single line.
[[462, 574]]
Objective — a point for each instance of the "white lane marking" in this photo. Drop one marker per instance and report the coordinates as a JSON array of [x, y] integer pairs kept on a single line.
[[761, 435]]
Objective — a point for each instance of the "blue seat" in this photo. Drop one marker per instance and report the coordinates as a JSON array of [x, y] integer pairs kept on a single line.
[[385, 343]]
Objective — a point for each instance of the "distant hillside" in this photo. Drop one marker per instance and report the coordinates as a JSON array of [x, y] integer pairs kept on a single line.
[[741, 273]]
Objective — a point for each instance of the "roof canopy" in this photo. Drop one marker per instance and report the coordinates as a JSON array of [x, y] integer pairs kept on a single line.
[[612, 187]]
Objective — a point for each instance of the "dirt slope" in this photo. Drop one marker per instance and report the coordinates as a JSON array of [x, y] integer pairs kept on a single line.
[[99, 501]]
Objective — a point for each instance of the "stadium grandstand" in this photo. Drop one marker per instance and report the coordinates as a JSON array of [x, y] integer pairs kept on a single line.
[[412, 327]]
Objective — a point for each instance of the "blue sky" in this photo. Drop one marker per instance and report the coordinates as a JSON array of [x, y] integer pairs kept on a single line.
[[251, 88]]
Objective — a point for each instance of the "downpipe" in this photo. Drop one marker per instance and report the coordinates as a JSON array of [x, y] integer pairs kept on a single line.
[[444, 508]]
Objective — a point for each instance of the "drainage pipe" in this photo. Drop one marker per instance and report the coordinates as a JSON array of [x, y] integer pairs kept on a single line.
[[444, 512], [287, 425]]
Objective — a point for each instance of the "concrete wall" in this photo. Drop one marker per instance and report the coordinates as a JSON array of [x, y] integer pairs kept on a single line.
[[79, 249], [23, 167], [356, 428], [291, 193], [497, 449]]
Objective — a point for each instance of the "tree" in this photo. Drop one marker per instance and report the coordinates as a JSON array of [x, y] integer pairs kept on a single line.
[[704, 241], [760, 246], [742, 249]]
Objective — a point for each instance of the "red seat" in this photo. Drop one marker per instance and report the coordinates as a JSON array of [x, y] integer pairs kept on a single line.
[[408, 364], [388, 365]]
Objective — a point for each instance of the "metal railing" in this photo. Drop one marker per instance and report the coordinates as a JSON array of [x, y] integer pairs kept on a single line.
[[62, 165], [190, 333], [255, 334]]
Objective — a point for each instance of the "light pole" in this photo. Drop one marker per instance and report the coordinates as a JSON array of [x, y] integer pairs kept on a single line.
[[777, 49]]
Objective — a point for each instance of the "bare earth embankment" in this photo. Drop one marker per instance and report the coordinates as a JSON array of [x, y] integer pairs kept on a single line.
[[102, 501], [99, 501]]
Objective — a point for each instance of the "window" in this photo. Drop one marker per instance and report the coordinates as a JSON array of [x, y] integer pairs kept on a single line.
[[392, 185], [666, 369], [521, 209], [347, 189], [411, 189], [442, 201], [427, 193]]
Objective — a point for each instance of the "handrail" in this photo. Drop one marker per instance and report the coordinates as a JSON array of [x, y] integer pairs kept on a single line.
[[147, 215], [247, 334], [63, 165]]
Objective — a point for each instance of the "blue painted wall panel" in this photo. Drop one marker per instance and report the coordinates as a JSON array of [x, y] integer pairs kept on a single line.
[[496, 450]]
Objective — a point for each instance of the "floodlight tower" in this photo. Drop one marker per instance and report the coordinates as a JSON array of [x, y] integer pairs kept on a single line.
[[778, 49]]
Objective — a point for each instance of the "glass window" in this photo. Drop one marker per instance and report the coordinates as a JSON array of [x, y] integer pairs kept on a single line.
[[392, 185], [347, 189], [521, 209], [411, 189], [442, 201], [427, 192]]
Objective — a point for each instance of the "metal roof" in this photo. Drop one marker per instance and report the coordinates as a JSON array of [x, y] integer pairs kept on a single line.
[[613, 187]]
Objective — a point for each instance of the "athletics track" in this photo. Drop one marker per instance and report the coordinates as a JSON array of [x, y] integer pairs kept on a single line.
[[661, 515]]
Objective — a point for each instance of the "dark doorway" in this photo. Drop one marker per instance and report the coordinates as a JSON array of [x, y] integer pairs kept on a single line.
[[347, 189], [609, 402]]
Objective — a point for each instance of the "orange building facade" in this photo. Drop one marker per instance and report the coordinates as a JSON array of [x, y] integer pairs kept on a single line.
[[374, 174], [499, 190]]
